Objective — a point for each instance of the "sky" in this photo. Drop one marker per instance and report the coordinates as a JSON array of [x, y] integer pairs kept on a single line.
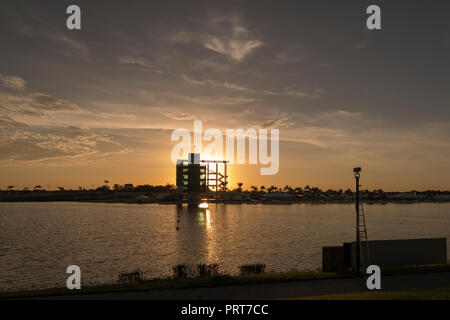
[[81, 106]]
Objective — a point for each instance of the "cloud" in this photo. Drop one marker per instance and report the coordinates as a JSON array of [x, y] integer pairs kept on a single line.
[[55, 143], [234, 40], [195, 82], [179, 115], [216, 101], [286, 57], [237, 87], [71, 47], [233, 48], [304, 92], [185, 116], [6, 121], [211, 83], [277, 123], [12, 82], [297, 91], [133, 60], [137, 61], [227, 36], [372, 141], [60, 42], [34, 104]]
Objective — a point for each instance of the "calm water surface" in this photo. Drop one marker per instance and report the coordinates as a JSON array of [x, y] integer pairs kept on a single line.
[[39, 240]]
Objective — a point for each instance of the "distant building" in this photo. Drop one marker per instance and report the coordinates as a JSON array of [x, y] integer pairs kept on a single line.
[[279, 195], [237, 196], [442, 197], [191, 175], [405, 196], [200, 179]]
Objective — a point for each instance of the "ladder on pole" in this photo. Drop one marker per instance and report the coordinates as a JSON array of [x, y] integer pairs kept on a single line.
[[364, 242]]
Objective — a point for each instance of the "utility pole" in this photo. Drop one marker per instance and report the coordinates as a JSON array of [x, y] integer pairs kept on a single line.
[[357, 201]]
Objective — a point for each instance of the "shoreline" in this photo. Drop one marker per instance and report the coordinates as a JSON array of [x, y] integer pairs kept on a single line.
[[131, 201], [135, 199]]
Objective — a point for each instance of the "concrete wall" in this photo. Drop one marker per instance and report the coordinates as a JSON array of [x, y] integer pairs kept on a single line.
[[407, 252], [332, 259], [387, 253]]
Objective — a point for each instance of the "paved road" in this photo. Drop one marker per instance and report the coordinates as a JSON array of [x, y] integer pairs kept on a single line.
[[278, 290]]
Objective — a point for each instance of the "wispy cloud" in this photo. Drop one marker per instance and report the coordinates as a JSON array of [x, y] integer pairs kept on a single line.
[[7, 122], [298, 91], [233, 48], [276, 123], [61, 42], [51, 143], [33, 104], [215, 84], [237, 87], [12, 82], [355, 137], [138, 61], [304, 92], [180, 115], [226, 35], [286, 57]]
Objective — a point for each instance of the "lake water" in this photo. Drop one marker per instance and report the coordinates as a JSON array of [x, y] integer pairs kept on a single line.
[[39, 240]]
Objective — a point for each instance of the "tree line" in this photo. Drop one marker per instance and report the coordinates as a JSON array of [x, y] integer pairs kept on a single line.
[[168, 188]]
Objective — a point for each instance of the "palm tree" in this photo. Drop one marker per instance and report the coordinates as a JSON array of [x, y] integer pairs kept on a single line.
[[105, 187], [240, 184], [254, 188], [262, 188], [38, 187], [317, 190], [10, 187], [169, 187]]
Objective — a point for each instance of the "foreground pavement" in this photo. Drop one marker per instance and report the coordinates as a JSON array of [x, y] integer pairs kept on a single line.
[[278, 290]]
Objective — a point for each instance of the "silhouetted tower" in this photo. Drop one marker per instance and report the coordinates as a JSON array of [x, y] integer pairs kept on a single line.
[[199, 178], [191, 178]]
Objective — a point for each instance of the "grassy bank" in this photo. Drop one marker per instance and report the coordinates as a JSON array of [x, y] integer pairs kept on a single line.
[[217, 281], [199, 282], [410, 294]]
